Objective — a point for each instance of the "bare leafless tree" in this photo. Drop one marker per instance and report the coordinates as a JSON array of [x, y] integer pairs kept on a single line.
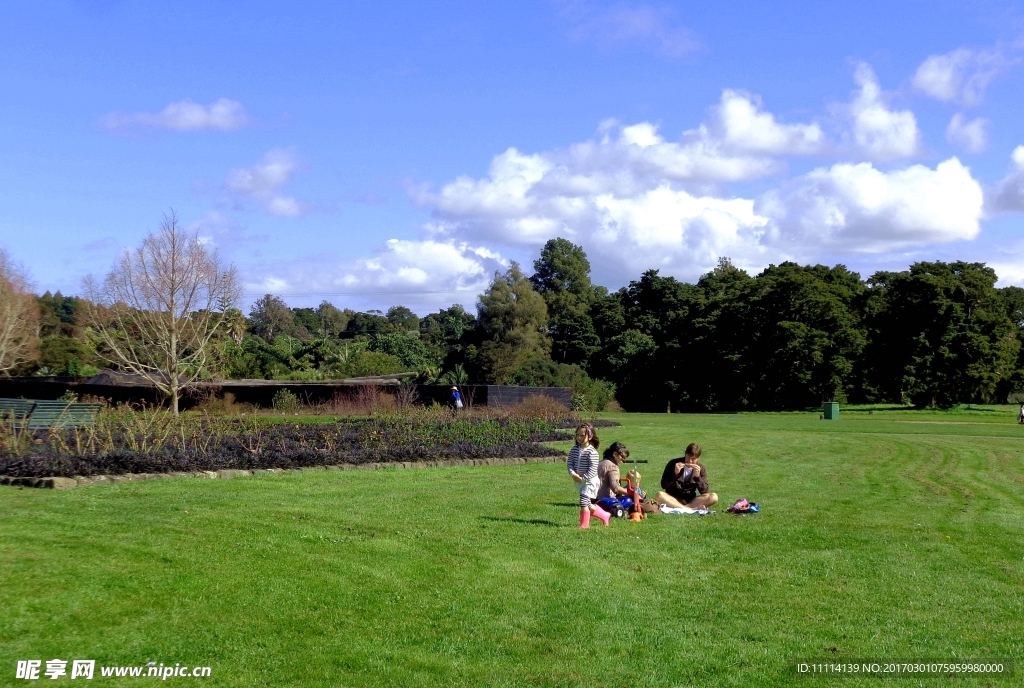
[[19, 316], [406, 395], [160, 306]]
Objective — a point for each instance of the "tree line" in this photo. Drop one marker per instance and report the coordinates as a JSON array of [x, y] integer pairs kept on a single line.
[[936, 334]]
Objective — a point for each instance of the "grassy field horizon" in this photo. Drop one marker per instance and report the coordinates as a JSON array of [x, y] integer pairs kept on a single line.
[[895, 534]]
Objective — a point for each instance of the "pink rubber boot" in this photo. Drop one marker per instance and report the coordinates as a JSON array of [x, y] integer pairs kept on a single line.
[[602, 514], [584, 518]]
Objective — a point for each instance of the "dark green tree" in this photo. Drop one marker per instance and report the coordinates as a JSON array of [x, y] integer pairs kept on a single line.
[[305, 324], [332, 320], [414, 353], [632, 363], [608, 317], [370, 322], [805, 335], [57, 314], [402, 319], [562, 277], [1013, 303], [939, 335], [514, 321], [721, 341], [64, 355], [588, 394], [451, 331], [64, 348], [270, 316], [364, 363], [650, 360]]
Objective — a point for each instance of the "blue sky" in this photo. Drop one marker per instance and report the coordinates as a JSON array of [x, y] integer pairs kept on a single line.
[[380, 153]]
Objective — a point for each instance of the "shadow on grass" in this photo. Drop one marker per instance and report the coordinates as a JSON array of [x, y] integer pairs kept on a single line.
[[524, 521], [574, 504], [845, 409], [872, 408]]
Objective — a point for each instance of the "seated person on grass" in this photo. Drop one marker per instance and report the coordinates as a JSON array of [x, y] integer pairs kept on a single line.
[[608, 471], [683, 479]]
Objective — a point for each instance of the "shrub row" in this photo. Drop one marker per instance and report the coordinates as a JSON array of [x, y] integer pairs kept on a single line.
[[169, 460], [132, 442]]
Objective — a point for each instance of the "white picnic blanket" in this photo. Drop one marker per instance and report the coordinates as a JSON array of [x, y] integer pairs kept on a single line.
[[684, 510]]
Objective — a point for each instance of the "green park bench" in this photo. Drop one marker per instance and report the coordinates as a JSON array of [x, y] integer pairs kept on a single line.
[[45, 414], [16, 409], [62, 414]]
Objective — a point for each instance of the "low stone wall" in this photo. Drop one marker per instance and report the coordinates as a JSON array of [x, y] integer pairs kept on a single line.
[[56, 483]]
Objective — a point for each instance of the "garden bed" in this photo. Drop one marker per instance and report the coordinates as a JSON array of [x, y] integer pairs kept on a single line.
[[126, 442], [64, 483]]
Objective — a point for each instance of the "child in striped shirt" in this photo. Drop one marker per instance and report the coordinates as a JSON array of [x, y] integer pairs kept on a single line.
[[582, 464]]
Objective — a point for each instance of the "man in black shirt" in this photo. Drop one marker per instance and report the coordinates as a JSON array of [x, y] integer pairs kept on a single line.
[[685, 482]]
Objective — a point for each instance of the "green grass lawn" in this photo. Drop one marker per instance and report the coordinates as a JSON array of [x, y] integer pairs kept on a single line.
[[894, 534]]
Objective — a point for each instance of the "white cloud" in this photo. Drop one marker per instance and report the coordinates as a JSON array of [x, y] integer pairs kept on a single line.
[[262, 181], [740, 124], [961, 75], [617, 192], [275, 169], [671, 229], [1008, 195], [620, 197], [858, 208], [1010, 271], [972, 136], [652, 27], [184, 115], [878, 132], [422, 274], [636, 201], [284, 206], [528, 197], [424, 265]]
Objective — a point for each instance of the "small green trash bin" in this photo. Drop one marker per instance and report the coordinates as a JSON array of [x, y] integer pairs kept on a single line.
[[831, 410]]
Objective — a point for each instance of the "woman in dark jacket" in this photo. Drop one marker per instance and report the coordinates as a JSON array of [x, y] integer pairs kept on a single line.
[[685, 482]]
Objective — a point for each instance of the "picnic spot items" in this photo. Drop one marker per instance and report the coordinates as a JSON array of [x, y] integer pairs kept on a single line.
[[685, 510], [742, 506], [649, 506]]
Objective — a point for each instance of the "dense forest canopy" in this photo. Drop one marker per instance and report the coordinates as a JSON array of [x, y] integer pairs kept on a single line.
[[791, 337]]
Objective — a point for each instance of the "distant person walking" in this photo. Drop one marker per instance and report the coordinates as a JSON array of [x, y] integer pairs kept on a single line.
[[456, 398], [1020, 416]]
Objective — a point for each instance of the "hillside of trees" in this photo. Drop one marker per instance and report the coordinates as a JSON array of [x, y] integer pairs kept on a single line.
[[937, 334]]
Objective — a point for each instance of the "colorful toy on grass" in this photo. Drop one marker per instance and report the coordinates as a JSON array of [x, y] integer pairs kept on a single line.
[[619, 507], [633, 492]]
